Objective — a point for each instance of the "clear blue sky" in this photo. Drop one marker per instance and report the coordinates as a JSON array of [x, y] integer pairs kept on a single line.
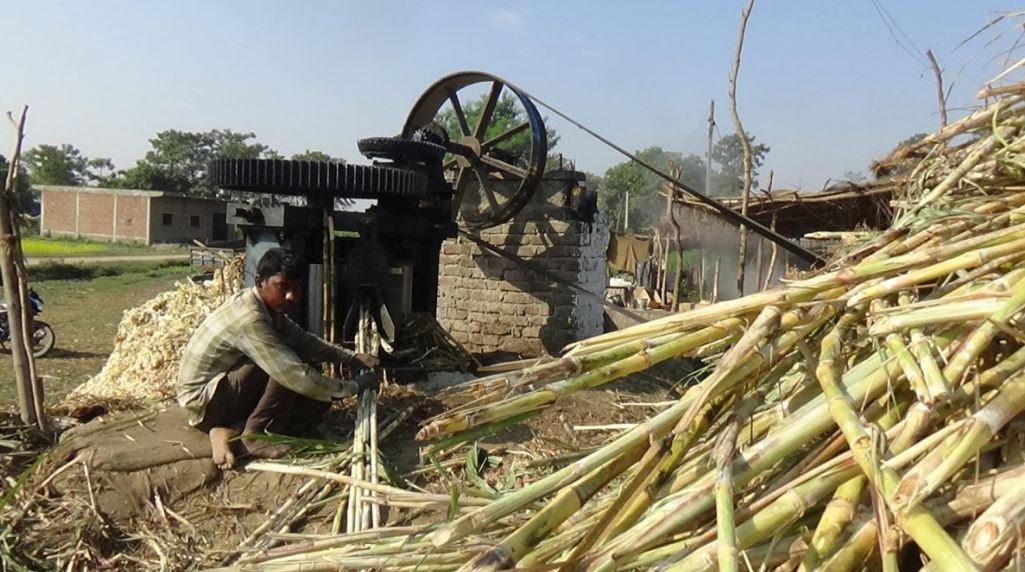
[[822, 82]]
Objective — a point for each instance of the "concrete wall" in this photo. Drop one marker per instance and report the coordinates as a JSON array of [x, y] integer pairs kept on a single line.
[[489, 303], [182, 210]]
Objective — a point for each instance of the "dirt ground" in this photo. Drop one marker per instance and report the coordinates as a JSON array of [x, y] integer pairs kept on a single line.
[[85, 315], [186, 513]]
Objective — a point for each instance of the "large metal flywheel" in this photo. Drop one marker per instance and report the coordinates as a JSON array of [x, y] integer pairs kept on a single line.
[[483, 149]]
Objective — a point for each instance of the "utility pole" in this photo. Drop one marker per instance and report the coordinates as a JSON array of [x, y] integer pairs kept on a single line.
[[708, 156]]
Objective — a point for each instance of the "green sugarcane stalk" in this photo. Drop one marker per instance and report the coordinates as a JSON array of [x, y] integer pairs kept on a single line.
[[786, 509], [917, 521], [935, 382], [840, 511], [912, 371], [946, 267], [974, 434], [744, 366], [984, 334], [854, 552], [805, 290], [724, 518], [865, 382], [691, 319], [966, 311], [568, 501], [544, 397], [981, 150]]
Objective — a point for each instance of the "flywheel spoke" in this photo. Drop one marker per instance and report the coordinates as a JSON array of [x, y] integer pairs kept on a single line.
[[488, 112]]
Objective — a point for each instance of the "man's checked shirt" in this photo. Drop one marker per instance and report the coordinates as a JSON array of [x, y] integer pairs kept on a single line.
[[243, 328]]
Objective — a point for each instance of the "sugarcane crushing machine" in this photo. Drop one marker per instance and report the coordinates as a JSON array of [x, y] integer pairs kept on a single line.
[[455, 164]]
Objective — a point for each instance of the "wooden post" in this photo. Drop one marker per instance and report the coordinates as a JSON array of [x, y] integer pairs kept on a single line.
[[744, 143], [715, 280], [939, 87], [677, 173], [701, 278], [12, 270], [772, 257]]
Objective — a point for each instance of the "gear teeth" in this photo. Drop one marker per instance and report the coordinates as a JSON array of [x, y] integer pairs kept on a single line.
[[303, 177]]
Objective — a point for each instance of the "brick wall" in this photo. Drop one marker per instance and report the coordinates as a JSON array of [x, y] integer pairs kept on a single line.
[[131, 217], [489, 303], [60, 213], [95, 214]]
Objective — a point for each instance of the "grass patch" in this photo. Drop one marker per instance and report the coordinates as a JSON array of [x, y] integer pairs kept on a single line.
[[125, 272], [84, 306], [42, 247]]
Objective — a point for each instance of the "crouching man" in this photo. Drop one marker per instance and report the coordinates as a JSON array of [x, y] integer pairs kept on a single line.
[[250, 369]]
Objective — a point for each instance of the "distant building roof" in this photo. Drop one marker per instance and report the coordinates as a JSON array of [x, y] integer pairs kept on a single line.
[[114, 191]]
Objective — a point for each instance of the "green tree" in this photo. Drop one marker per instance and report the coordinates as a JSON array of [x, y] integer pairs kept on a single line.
[[57, 165], [728, 153], [23, 191], [508, 114], [646, 204], [100, 169], [313, 155], [178, 160]]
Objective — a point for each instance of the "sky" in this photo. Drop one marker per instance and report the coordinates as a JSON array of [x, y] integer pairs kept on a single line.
[[825, 83]]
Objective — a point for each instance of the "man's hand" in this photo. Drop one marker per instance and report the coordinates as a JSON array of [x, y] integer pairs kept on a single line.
[[366, 360], [369, 381]]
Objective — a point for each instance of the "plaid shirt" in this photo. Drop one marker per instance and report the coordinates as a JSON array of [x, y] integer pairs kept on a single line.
[[242, 328]]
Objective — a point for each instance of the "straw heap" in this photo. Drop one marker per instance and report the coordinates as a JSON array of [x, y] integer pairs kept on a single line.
[[844, 416], [150, 338]]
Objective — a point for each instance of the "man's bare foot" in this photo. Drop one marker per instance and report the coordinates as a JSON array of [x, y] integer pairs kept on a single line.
[[261, 449], [220, 441]]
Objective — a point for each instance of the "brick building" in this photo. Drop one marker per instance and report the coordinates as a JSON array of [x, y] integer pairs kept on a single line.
[[129, 215]]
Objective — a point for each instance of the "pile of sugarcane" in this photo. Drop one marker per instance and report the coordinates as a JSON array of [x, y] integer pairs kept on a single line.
[[844, 420]]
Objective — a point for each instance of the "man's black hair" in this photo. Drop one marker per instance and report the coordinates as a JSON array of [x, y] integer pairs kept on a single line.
[[278, 261]]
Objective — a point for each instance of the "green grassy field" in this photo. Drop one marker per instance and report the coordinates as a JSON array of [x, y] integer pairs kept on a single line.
[[41, 247], [85, 314]]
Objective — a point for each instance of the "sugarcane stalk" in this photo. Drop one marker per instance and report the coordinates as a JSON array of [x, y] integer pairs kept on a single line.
[[974, 433], [916, 520], [982, 335], [994, 535], [543, 397], [569, 500], [840, 511]]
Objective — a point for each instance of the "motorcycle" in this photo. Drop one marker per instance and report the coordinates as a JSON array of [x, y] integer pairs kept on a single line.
[[43, 336]]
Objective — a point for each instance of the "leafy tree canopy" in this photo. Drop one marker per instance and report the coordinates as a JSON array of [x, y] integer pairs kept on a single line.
[[178, 160], [63, 165], [507, 115], [23, 191], [646, 204], [728, 153], [312, 155]]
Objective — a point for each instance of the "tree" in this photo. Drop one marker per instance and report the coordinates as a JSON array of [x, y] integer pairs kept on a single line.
[[100, 169], [311, 155], [53, 165], [178, 160], [646, 204], [23, 192], [508, 114], [729, 154]]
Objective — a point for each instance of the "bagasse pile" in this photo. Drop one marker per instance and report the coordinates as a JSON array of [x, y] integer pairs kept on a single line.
[[842, 418], [150, 338]]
